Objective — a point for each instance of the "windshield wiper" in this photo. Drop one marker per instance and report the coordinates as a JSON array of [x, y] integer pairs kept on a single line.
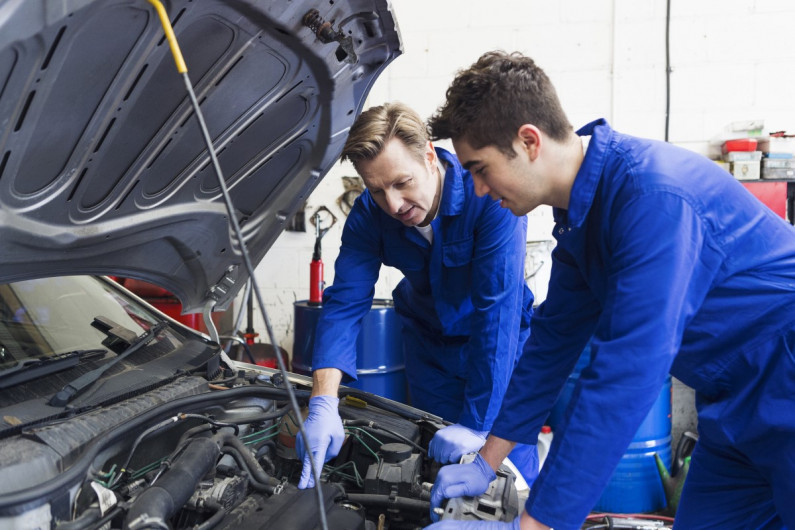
[[76, 387], [33, 368]]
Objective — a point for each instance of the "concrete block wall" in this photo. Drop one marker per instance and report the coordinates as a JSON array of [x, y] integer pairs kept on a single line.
[[731, 60]]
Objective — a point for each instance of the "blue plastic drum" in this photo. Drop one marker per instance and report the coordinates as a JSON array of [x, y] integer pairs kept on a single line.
[[380, 366], [635, 486]]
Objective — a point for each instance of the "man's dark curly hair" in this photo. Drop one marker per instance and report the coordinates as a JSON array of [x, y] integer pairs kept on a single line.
[[487, 103]]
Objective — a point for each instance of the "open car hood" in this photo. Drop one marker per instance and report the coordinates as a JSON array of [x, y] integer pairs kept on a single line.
[[103, 169]]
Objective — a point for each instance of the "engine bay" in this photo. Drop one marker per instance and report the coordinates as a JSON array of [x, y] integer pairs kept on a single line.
[[193, 454]]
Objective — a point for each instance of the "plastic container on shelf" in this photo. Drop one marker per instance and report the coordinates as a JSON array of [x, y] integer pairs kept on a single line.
[[739, 144]]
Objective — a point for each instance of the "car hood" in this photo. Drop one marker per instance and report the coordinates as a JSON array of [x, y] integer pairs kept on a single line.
[[103, 169]]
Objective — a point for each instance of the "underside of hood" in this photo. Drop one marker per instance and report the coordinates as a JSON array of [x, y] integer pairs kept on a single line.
[[103, 169]]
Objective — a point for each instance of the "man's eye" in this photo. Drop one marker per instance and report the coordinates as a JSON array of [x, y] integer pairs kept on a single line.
[[403, 184]]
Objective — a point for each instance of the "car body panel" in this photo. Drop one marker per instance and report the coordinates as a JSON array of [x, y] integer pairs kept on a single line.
[[103, 169]]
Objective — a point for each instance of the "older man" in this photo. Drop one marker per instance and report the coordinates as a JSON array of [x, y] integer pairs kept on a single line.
[[464, 303]]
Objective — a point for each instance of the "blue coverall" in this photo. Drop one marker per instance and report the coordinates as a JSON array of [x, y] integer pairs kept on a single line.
[[464, 303], [671, 265]]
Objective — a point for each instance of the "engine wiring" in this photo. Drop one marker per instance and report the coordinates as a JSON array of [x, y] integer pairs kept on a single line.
[[183, 71]]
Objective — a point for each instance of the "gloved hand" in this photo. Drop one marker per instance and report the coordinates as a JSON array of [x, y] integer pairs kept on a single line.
[[461, 479], [324, 430], [453, 441], [475, 525]]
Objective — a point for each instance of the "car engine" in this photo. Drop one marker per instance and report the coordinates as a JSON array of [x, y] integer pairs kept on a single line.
[[221, 454]]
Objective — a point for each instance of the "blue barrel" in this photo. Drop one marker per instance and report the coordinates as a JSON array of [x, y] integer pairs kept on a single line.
[[635, 486], [380, 366]]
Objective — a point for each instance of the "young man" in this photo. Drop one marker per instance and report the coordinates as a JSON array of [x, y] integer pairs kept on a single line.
[[464, 303], [669, 264]]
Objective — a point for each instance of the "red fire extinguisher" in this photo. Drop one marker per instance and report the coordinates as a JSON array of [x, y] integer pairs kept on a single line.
[[316, 283]]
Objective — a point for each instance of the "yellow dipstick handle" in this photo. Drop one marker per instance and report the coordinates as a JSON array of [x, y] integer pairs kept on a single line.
[[172, 39]]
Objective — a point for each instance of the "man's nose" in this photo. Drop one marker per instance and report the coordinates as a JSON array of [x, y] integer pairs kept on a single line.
[[481, 189], [393, 201]]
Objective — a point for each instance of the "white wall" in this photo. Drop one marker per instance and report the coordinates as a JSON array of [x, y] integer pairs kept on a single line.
[[731, 60]]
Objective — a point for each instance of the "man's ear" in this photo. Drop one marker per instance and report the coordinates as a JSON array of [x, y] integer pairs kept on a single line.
[[530, 137], [430, 153]]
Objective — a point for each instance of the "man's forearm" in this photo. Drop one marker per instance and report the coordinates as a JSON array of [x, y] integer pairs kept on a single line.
[[326, 382], [495, 450]]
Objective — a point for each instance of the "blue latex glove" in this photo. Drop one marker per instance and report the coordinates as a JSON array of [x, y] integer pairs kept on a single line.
[[453, 441], [324, 430], [460, 480], [475, 525]]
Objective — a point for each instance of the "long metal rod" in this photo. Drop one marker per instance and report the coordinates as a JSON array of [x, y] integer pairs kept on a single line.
[[182, 68]]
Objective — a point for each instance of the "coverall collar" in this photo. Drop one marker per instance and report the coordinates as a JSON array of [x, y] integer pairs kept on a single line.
[[452, 202], [587, 179]]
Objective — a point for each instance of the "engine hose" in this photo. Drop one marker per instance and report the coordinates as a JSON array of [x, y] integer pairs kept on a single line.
[[89, 516], [215, 518], [156, 504], [263, 456], [89, 521], [248, 462], [264, 487], [385, 501]]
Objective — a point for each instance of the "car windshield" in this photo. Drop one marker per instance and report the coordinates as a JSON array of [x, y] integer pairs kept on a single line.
[[48, 317]]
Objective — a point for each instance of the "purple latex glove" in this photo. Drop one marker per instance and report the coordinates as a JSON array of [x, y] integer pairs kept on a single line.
[[454, 441], [475, 525], [460, 480], [324, 430]]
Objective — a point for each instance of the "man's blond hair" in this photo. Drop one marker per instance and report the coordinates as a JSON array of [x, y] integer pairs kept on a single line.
[[377, 125]]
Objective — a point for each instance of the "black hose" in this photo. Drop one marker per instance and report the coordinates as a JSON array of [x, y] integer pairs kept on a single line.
[[89, 516], [216, 518], [214, 423], [263, 456], [385, 501], [262, 483], [108, 517], [156, 504], [260, 480]]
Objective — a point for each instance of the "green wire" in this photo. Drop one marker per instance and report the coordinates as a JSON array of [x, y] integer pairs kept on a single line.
[[268, 437], [146, 469], [336, 471], [257, 433], [375, 455], [109, 473], [368, 433]]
